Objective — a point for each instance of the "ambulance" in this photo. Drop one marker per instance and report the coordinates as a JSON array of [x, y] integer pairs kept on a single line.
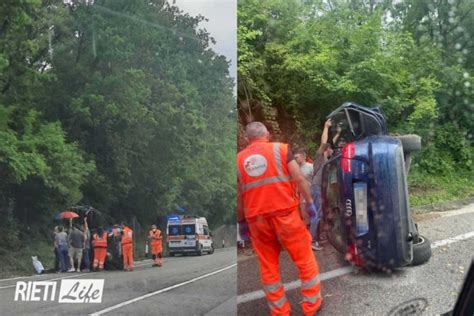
[[188, 235]]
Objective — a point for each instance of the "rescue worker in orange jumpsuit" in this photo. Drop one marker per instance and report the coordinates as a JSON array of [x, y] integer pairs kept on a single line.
[[127, 247], [156, 247], [268, 213], [99, 242]]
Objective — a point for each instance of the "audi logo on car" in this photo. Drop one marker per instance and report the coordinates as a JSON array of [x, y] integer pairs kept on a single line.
[[348, 208]]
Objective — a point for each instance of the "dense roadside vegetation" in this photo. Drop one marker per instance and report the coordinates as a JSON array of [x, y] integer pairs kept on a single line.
[[119, 104], [298, 60]]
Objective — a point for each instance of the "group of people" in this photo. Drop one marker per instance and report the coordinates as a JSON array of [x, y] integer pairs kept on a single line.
[[277, 192], [73, 247], [313, 173]]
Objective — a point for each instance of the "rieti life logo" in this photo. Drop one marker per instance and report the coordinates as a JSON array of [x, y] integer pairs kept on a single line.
[[70, 291]]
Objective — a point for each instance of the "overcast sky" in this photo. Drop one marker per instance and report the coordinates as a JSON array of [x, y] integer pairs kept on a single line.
[[222, 25]]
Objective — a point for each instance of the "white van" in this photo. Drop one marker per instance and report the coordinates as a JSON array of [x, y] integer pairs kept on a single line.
[[188, 234]]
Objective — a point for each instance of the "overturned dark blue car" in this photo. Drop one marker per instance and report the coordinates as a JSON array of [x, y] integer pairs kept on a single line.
[[366, 208]]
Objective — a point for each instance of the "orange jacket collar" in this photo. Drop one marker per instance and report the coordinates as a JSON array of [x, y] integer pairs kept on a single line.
[[260, 140]]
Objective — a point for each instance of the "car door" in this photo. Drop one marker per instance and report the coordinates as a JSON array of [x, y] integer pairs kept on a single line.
[[208, 239]]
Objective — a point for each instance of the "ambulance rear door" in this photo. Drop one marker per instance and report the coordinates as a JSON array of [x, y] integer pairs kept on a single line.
[[189, 229]]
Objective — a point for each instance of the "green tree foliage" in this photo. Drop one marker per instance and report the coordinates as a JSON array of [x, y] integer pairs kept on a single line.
[[302, 59], [118, 104]]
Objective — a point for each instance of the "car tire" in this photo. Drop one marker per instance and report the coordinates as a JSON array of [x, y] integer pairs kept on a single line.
[[410, 143], [421, 251]]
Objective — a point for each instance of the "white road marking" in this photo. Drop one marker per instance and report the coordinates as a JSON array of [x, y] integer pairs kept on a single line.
[[114, 307], [73, 275], [451, 240], [251, 296], [23, 277]]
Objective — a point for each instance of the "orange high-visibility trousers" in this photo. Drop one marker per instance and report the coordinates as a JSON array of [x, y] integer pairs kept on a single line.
[[127, 253], [268, 235], [158, 258], [156, 251], [99, 257]]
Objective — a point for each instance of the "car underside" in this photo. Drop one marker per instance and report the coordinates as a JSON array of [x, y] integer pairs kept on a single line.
[[365, 199]]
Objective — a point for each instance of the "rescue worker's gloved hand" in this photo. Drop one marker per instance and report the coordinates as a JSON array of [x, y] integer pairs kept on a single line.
[[244, 230], [312, 212]]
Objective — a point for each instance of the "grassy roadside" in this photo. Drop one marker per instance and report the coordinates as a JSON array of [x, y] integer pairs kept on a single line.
[[19, 262], [428, 189]]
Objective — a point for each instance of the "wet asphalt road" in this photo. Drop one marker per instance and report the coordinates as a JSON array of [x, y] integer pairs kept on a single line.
[[210, 295], [435, 284]]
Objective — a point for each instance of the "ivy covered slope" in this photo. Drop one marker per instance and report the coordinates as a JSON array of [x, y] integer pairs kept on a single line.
[[117, 104], [298, 60]]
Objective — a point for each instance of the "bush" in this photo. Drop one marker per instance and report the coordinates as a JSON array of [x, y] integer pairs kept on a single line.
[[428, 188], [446, 151]]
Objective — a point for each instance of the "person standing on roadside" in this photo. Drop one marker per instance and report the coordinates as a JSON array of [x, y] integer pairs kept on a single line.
[[154, 235], [268, 213], [307, 170], [305, 167], [99, 242], [323, 153], [127, 247], [76, 245], [61, 244]]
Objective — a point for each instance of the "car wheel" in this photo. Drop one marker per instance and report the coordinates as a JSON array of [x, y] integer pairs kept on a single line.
[[421, 251], [410, 142]]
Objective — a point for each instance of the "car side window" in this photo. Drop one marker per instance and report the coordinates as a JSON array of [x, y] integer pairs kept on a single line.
[[355, 120], [345, 136], [371, 126]]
